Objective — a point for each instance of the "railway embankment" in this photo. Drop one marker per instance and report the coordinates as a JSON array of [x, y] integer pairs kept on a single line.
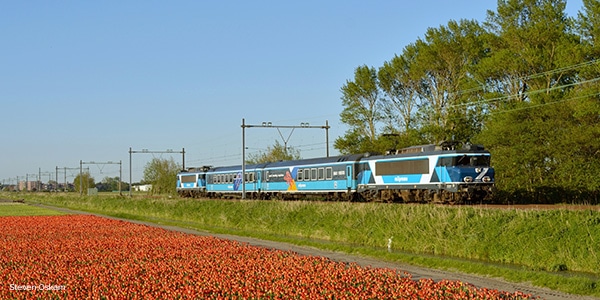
[[553, 247]]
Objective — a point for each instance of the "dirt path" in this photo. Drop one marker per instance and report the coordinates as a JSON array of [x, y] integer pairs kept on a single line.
[[416, 272]]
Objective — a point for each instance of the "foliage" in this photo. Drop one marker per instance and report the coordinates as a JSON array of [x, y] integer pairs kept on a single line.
[[110, 184], [362, 109], [83, 184], [160, 173], [524, 83], [278, 152]]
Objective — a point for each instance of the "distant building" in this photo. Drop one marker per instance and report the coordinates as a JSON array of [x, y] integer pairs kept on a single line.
[[142, 187], [29, 185]]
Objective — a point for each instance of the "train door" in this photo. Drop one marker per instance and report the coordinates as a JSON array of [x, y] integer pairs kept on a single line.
[[349, 176], [258, 180]]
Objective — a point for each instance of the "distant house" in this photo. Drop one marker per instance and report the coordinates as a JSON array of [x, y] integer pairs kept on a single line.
[[142, 187]]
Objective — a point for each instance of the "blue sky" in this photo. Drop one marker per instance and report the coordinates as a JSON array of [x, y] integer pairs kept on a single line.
[[87, 80]]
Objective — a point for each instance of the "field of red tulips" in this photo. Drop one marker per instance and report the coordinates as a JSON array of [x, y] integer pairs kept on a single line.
[[81, 256]]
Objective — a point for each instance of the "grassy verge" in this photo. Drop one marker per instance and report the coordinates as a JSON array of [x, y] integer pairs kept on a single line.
[[557, 249], [18, 209]]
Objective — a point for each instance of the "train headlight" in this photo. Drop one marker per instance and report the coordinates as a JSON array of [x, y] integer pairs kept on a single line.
[[478, 170], [486, 179], [468, 179]]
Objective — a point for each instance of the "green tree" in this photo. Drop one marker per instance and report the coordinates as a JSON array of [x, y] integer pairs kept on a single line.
[[83, 182], [112, 184], [276, 153], [399, 91], [588, 27], [532, 129], [161, 174], [362, 111], [532, 46], [443, 64], [524, 83]]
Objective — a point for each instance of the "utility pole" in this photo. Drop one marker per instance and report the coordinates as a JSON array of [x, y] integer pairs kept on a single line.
[[66, 186], [81, 163], [148, 151], [270, 125]]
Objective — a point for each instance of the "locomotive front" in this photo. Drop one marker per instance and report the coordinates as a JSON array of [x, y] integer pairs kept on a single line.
[[467, 174], [428, 173]]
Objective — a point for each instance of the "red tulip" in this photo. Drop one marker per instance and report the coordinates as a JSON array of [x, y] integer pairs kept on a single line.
[[79, 256]]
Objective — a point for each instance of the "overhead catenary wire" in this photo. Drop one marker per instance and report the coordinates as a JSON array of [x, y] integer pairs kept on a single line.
[[528, 93], [237, 156]]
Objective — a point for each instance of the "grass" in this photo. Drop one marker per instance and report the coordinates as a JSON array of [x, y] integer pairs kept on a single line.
[[19, 209], [557, 249]]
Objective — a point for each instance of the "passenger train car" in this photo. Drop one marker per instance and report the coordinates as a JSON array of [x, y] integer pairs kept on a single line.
[[428, 173]]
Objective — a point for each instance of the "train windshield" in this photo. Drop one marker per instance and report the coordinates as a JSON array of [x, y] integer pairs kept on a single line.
[[465, 161]]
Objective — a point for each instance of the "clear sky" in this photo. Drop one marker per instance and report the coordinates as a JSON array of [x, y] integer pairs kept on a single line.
[[87, 80]]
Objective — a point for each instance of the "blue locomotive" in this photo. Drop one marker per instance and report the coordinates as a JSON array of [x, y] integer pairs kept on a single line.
[[427, 173]]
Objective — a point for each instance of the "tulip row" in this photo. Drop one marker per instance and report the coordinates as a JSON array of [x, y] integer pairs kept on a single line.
[[80, 256]]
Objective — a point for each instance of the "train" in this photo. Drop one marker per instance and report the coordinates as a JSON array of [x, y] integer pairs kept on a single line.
[[448, 173]]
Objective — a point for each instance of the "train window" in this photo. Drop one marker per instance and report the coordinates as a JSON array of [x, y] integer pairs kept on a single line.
[[321, 173], [445, 162], [300, 175], [188, 178], [418, 166], [313, 174], [473, 161], [266, 178], [462, 161], [328, 173], [479, 161], [306, 174]]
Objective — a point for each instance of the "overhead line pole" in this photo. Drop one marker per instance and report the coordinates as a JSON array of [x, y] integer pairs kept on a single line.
[[148, 151], [81, 163], [65, 187], [270, 125]]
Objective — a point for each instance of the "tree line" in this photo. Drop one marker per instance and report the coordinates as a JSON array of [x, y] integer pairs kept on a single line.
[[524, 83], [160, 173]]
